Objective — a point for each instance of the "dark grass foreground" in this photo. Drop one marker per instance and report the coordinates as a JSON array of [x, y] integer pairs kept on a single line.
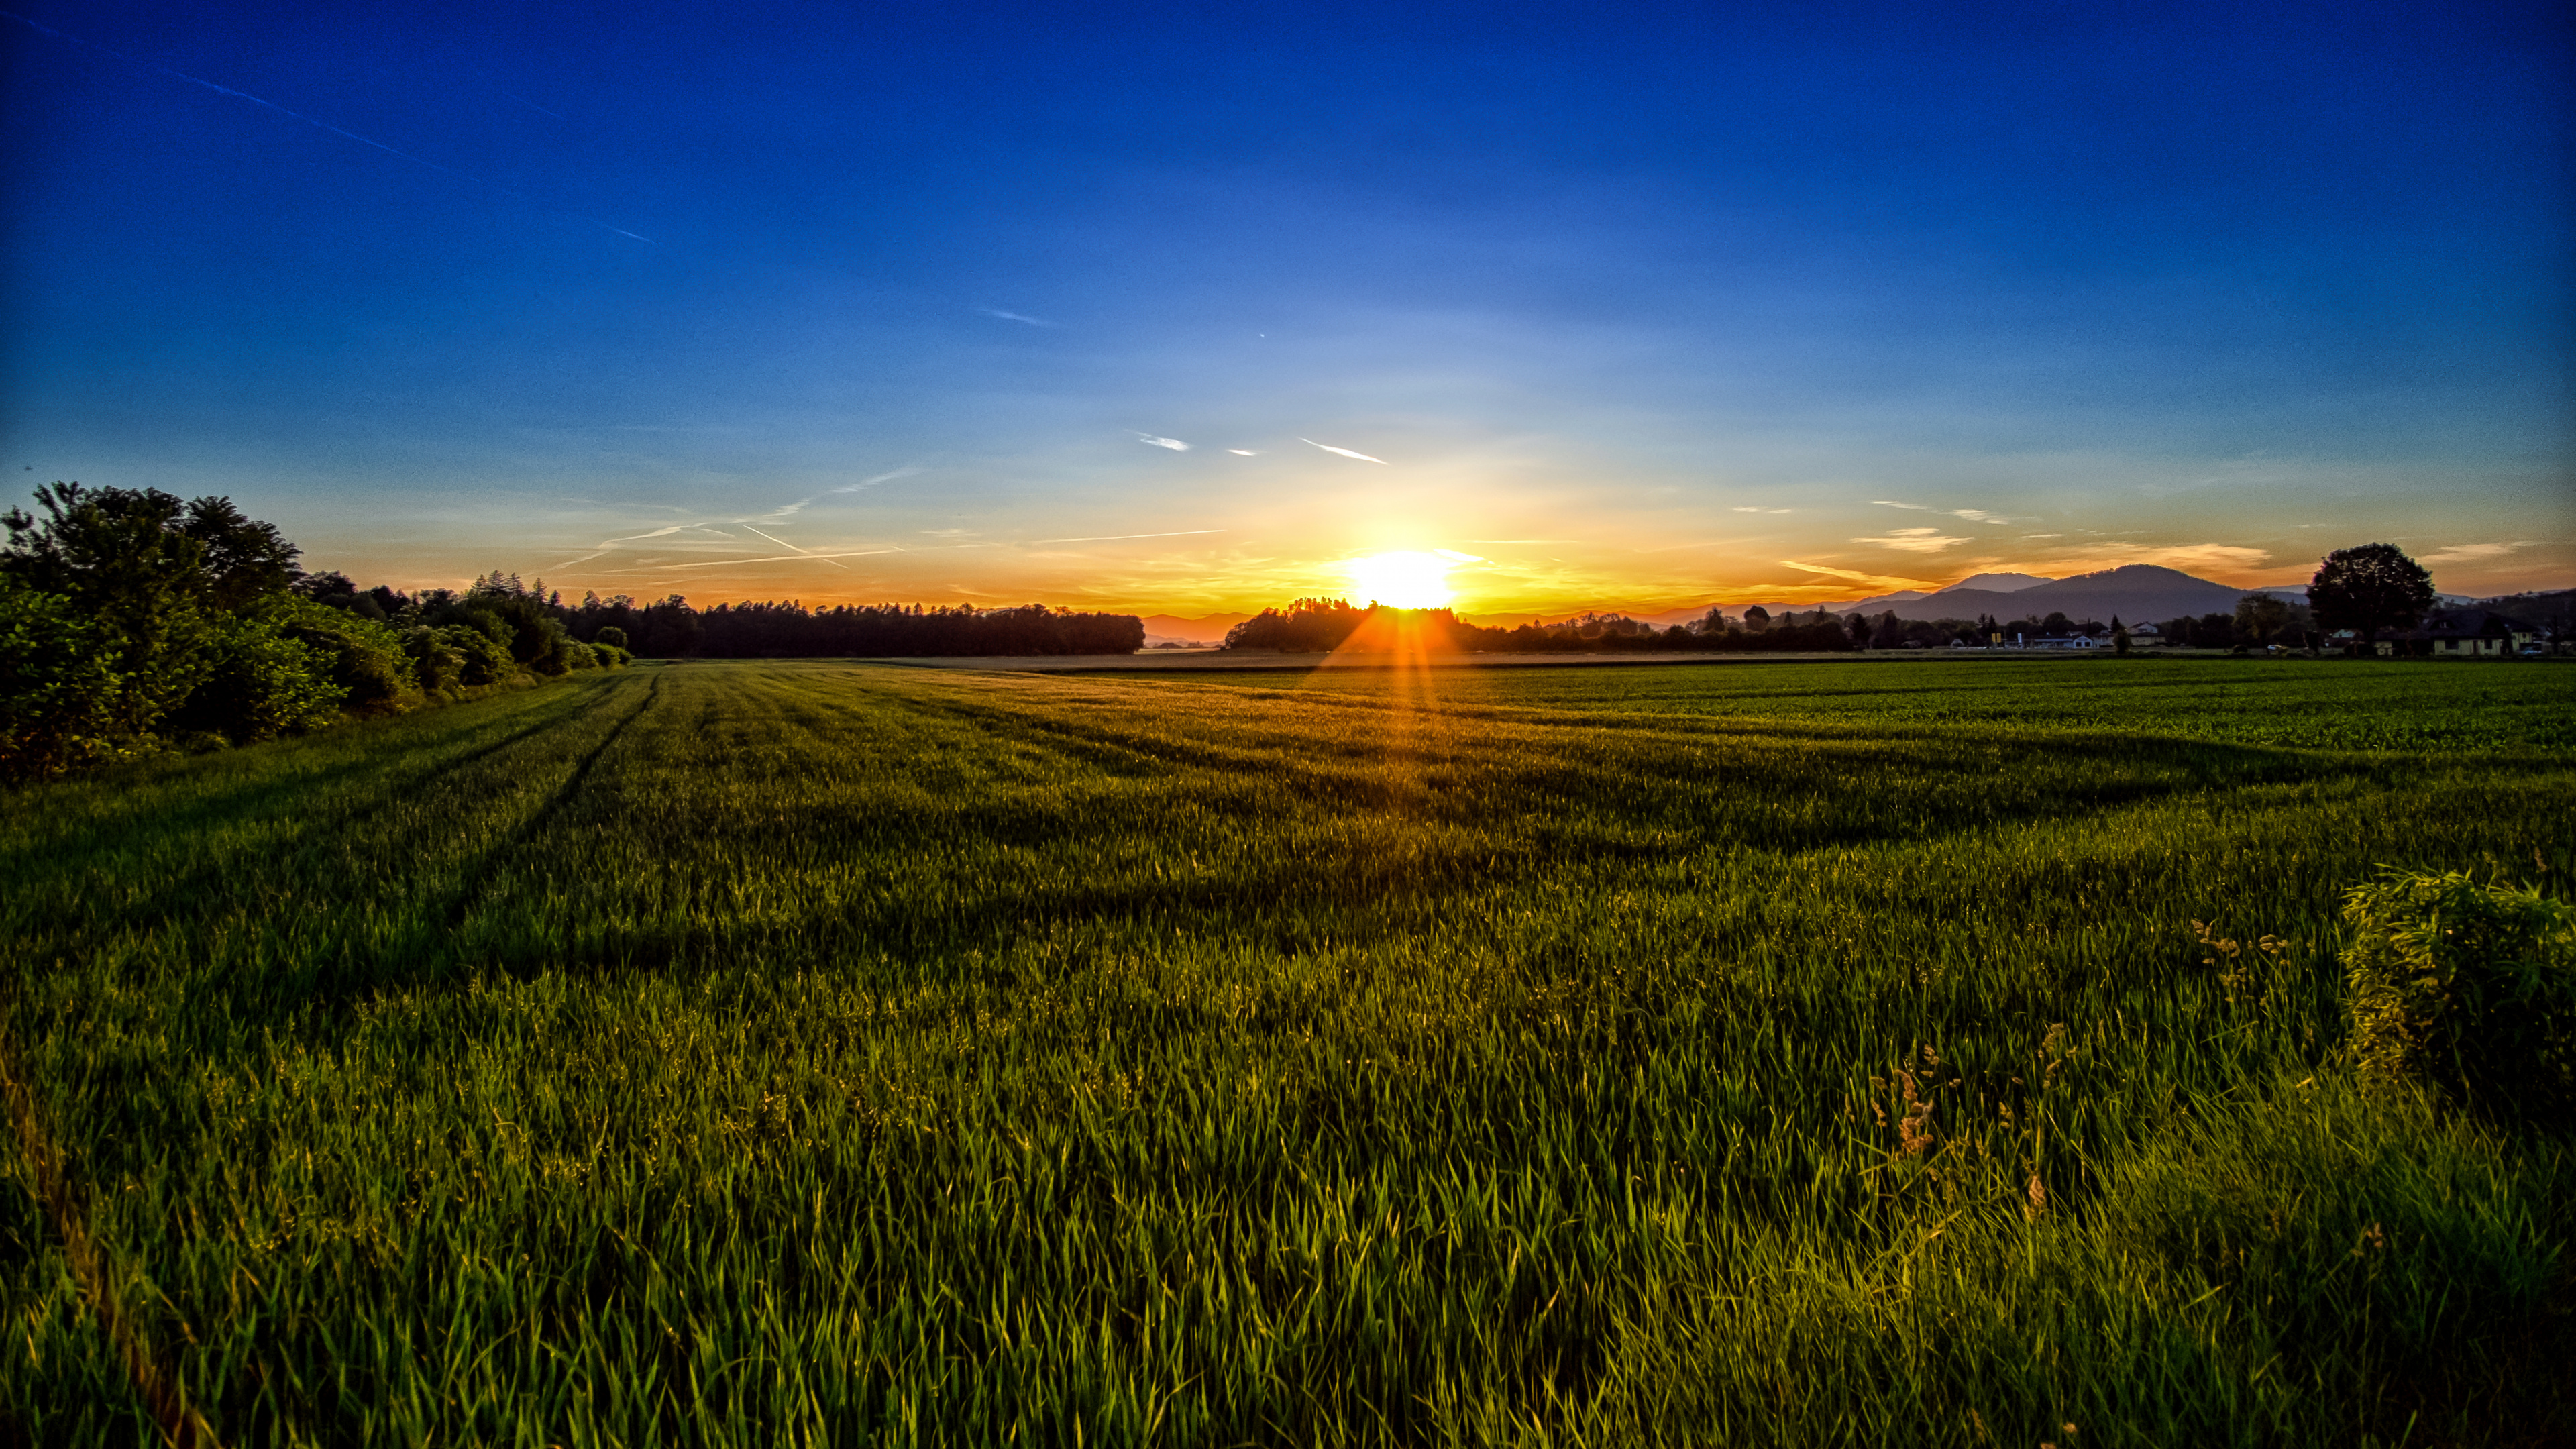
[[776, 1053]]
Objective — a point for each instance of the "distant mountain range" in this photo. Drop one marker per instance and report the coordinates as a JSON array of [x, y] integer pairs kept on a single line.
[[2133, 592]]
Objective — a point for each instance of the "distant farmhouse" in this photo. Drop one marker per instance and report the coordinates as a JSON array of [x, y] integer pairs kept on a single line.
[[2474, 633]]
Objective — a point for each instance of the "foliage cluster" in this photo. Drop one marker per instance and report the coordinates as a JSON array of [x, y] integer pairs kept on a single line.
[[2368, 588], [130, 619], [747, 1053], [2467, 985]]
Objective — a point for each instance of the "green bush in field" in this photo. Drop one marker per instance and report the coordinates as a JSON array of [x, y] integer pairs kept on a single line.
[[486, 660], [611, 656], [436, 663], [2469, 987], [552, 651], [58, 692], [264, 682], [610, 635], [362, 656]]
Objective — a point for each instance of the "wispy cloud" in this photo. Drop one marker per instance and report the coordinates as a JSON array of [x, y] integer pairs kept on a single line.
[[1914, 540], [782, 543], [1243, 452], [2191, 558], [1345, 452], [1175, 444], [907, 471], [1764, 510], [798, 557], [2465, 553], [1892, 503], [1979, 515], [1882, 581], [1022, 318], [1109, 537], [790, 510]]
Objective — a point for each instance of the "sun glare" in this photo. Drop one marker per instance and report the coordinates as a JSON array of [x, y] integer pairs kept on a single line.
[[1403, 580]]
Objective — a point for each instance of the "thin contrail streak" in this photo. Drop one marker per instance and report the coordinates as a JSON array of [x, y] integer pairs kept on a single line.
[[292, 115], [782, 543], [1108, 537], [719, 563]]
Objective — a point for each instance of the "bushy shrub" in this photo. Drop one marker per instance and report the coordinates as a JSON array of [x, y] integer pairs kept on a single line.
[[553, 653], [2468, 987], [610, 635], [611, 656], [366, 657], [58, 691], [263, 682], [436, 663], [486, 660]]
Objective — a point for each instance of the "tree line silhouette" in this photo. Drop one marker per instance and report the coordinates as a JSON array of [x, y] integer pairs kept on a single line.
[[1310, 626], [671, 628]]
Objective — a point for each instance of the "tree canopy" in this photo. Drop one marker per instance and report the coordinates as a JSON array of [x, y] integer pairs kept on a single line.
[[2369, 588]]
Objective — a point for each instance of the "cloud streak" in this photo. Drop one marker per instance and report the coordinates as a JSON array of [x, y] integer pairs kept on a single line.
[[782, 543], [800, 505], [1873, 580], [1022, 318], [1152, 441], [1111, 537], [797, 557], [1914, 540], [1345, 452], [2467, 553]]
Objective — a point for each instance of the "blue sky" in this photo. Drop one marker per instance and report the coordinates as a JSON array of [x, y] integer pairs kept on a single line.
[[1638, 306]]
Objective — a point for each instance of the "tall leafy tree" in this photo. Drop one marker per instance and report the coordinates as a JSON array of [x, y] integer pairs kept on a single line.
[[2370, 588], [125, 561], [243, 557]]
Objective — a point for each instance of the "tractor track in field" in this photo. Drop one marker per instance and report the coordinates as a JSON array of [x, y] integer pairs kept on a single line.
[[187, 882], [478, 883]]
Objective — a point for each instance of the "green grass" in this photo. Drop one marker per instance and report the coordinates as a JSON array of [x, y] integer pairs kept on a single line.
[[759, 1053]]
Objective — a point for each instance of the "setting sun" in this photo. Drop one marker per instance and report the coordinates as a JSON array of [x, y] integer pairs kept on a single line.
[[1407, 579]]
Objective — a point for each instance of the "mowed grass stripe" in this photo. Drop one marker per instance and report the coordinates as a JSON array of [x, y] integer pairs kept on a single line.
[[829, 1065]]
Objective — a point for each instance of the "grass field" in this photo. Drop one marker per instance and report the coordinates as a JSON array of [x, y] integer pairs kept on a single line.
[[761, 1053]]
